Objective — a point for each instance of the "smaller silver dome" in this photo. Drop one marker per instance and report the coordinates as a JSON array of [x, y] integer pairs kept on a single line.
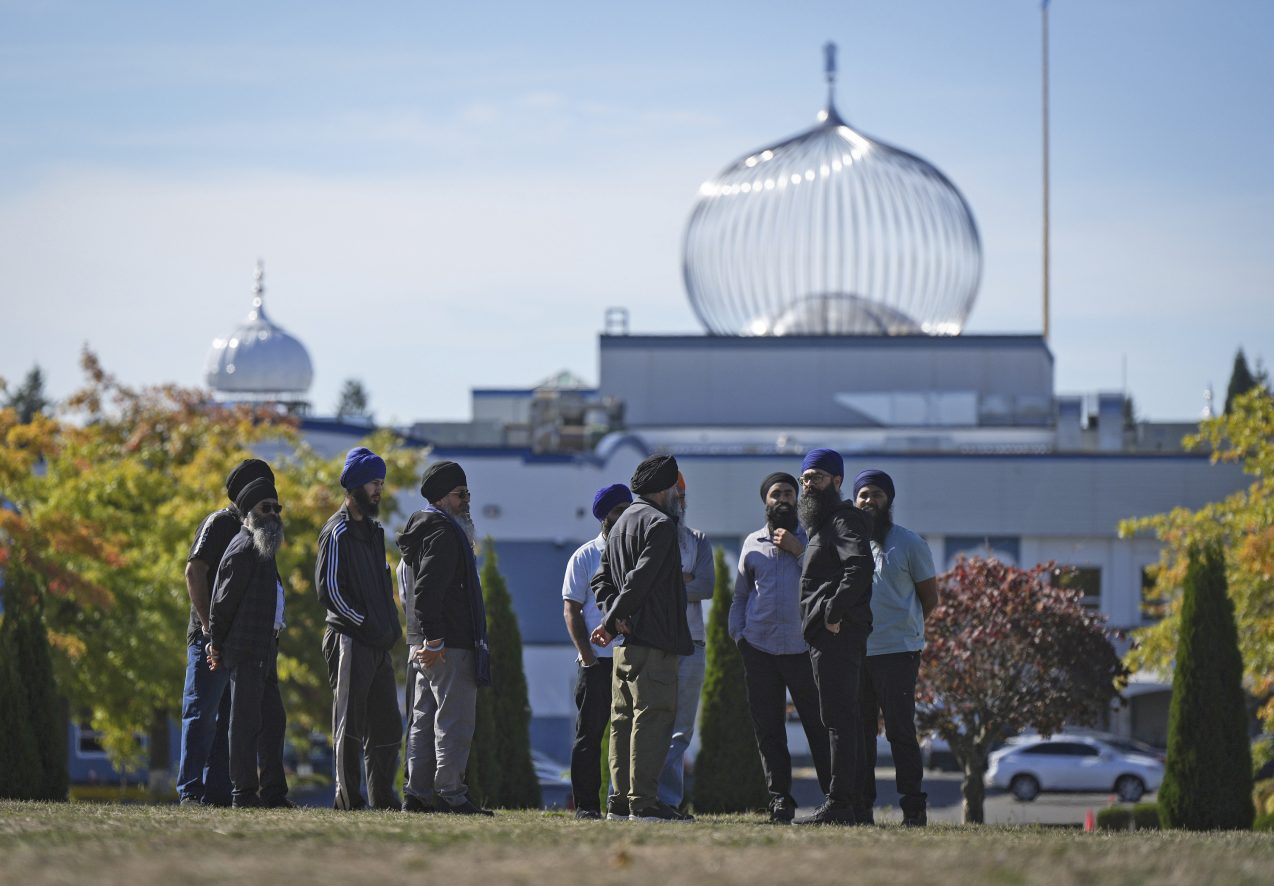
[[259, 360]]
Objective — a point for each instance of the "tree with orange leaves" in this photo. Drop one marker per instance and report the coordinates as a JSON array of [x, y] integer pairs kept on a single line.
[[100, 505], [1242, 525]]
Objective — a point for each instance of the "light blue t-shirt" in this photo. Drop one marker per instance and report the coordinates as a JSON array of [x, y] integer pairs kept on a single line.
[[898, 622]]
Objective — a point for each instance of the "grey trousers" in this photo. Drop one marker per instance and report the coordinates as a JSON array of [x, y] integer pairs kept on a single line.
[[443, 715], [367, 729]]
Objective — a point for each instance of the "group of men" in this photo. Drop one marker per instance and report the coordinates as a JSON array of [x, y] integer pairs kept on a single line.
[[829, 604], [232, 714]]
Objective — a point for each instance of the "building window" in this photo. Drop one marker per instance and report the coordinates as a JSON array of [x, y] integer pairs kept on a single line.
[[1086, 579], [88, 741]]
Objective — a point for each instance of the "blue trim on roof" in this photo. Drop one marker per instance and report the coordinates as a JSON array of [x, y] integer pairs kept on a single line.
[[356, 430], [523, 392]]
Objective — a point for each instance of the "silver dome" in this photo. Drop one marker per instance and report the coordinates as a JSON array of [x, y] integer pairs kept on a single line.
[[259, 360], [831, 232]]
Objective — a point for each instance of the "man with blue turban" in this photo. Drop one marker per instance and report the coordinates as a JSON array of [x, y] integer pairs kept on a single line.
[[352, 580], [593, 677], [904, 591], [836, 621]]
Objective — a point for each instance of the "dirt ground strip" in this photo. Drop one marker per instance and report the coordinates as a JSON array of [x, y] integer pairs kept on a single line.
[[77, 843]]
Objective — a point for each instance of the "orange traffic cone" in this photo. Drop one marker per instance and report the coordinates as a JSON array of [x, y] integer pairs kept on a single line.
[[1090, 822]]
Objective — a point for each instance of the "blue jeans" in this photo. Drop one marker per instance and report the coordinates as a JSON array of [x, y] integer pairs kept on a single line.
[[672, 786], [204, 771]]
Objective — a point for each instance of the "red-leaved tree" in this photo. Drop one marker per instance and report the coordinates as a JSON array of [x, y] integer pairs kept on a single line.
[[1007, 649]]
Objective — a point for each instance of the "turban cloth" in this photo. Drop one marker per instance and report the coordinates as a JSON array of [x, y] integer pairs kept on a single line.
[[254, 493], [609, 496], [827, 460], [362, 466], [440, 478], [877, 478], [778, 477], [655, 474], [244, 473]]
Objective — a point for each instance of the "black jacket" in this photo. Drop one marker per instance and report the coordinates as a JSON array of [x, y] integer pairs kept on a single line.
[[640, 581], [836, 575], [437, 602], [241, 616], [352, 580]]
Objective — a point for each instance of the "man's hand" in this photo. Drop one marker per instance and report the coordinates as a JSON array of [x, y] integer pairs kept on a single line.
[[687, 577], [600, 636], [834, 627], [428, 657], [214, 657], [788, 541], [588, 659]]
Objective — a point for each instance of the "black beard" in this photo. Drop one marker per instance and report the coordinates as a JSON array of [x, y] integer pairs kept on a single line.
[[815, 506], [881, 521], [364, 501], [781, 516], [267, 534], [608, 522]]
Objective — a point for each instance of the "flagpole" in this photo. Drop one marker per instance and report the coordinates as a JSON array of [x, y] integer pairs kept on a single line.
[[1044, 57]]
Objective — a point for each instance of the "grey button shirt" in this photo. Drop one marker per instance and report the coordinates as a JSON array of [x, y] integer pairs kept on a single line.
[[766, 609]]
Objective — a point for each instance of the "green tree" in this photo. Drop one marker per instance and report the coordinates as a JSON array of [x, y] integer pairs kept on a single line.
[[105, 504], [1241, 381], [354, 401], [1241, 525], [728, 775], [28, 400], [1207, 781], [45, 714], [500, 769], [20, 767]]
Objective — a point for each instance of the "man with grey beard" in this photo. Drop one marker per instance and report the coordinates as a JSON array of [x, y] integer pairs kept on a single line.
[[244, 621], [836, 620], [351, 577], [447, 637]]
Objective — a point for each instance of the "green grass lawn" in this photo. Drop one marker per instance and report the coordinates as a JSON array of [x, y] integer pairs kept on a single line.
[[92, 843]]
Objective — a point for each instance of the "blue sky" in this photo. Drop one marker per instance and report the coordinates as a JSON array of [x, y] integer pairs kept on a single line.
[[450, 195]]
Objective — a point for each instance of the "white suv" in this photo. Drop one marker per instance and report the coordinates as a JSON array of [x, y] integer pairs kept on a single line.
[[1072, 763]]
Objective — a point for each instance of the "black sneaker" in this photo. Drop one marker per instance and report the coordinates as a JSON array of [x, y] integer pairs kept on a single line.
[[588, 815], [415, 804], [916, 819], [658, 812], [616, 809], [831, 812], [865, 815], [782, 810], [278, 803], [245, 803], [466, 807], [190, 801]]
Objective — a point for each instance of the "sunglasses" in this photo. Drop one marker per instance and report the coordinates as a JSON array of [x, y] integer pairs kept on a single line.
[[270, 509], [462, 494]]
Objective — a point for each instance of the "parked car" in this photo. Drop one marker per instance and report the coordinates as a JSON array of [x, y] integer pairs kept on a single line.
[[1072, 763]]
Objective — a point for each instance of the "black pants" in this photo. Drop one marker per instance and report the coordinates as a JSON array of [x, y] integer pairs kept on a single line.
[[889, 686], [592, 701], [257, 724], [367, 727], [769, 679], [838, 663]]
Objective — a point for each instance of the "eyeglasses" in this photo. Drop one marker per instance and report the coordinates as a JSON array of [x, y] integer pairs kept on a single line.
[[815, 478], [462, 494], [270, 509]]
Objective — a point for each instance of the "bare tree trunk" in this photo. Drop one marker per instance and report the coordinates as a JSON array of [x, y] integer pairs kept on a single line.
[[974, 787]]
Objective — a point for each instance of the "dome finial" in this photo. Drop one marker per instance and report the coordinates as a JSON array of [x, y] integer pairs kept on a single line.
[[828, 115], [258, 284]]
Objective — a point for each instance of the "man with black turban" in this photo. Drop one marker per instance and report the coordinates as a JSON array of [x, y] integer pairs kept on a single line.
[[447, 636], [352, 579], [904, 591], [203, 775], [765, 623], [836, 619], [642, 595], [244, 621]]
